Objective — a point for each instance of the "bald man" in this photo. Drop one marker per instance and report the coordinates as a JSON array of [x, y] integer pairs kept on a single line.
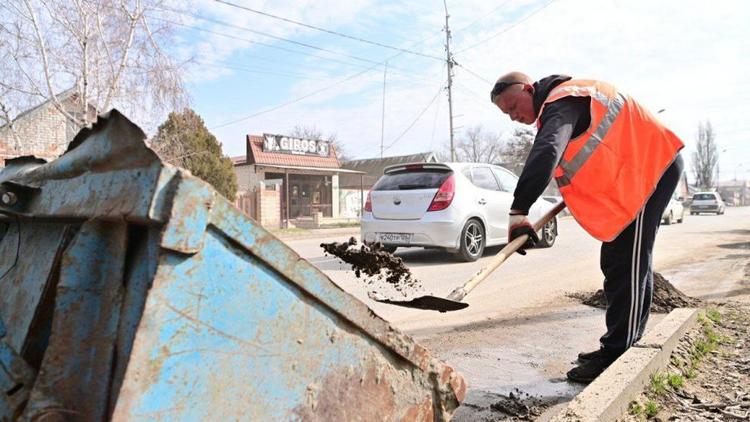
[[616, 179]]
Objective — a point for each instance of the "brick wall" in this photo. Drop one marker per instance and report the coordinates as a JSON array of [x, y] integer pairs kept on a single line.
[[247, 180], [43, 132], [269, 208]]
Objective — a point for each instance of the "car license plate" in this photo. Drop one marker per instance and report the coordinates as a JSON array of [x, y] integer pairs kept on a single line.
[[703, 206], [395, 237]]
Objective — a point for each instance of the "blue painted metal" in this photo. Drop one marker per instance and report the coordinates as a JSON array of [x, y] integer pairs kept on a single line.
[[131, 290]]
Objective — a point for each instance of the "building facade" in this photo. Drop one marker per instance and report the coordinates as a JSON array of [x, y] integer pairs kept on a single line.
[[302, 173], [735, 192], [42, 131]]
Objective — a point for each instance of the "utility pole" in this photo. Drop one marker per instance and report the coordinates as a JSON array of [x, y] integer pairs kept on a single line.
[[449, 61], [382, 115]]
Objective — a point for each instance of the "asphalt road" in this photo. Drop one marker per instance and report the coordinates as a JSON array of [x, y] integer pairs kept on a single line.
[[522, 330], [541, 278]]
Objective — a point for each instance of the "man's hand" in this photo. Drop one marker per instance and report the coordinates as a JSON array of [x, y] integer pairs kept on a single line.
[[519, 225]]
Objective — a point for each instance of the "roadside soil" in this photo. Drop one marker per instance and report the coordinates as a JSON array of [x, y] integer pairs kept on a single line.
[[709, 373], [665, 298]]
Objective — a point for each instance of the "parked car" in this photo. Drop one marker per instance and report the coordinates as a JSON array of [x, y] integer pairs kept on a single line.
[[460, 207], [709, 202], [674, 212]]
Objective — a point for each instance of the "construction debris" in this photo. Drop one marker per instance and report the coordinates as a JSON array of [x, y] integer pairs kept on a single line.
[[372, 263], [665, 298]]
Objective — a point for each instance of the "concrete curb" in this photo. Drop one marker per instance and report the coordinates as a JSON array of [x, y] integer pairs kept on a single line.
[[319, 234], [608, 396]]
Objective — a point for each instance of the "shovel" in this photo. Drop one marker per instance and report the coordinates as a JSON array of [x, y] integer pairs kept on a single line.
[[453, 301]]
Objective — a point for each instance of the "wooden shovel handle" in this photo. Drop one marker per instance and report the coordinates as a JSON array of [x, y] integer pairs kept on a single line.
[[509, 249]]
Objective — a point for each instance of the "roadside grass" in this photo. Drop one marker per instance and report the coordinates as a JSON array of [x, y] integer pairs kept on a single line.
[[683, 367], [652, 408], [635, 408], [675, 381], [658, 384]]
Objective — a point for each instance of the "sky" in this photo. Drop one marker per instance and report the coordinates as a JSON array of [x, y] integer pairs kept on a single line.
[[265, 75]]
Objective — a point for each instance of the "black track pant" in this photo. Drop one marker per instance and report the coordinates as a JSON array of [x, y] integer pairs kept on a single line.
[[626, 264]]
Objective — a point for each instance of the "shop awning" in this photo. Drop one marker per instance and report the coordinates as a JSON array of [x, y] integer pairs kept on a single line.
[[301, 168]]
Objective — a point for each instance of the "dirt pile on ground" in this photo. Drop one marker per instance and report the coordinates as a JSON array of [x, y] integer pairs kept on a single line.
[[519, 406], [666, 297], [709, 373], [372, 263]]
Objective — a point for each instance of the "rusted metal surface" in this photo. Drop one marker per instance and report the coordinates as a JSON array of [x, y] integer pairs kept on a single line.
[[139, 293]]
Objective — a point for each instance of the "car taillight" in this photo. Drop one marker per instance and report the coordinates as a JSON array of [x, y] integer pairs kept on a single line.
[[444, 195], [368, 203]]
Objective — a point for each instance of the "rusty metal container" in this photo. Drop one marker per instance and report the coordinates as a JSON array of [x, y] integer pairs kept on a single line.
[[131, 290]]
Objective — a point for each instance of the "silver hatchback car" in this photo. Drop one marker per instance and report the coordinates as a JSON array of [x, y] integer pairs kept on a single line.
[[460, 207]]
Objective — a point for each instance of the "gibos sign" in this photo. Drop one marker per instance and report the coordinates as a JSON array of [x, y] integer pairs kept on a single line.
[[290, 145]]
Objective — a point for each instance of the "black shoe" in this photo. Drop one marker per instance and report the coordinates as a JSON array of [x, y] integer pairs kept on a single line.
[[584, 357], [589, 370]]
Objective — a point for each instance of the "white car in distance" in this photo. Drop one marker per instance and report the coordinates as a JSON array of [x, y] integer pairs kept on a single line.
[[673, 212], [460, 207]]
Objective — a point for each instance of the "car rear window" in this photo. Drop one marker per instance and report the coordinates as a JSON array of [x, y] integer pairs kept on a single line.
[[412, 179], [703, 196]]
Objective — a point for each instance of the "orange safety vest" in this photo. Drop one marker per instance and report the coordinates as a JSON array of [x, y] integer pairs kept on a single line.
[[607, 174]]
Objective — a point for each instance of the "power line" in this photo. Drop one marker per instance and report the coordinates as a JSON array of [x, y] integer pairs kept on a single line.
[[469, 90], [508, 28], [474, 74], [265, 34], [232, 66], [303, 53], [419, 116], [328, 31], [484, 16], [286, 103], [434, 124], [298, 99]]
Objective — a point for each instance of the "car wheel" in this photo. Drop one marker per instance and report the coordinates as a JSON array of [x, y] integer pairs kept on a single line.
[[548, 234], [682, 217], [669, 219], [390, 249], [472, 241]]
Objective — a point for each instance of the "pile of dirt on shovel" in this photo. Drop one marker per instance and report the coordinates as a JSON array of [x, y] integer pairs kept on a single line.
[[372, 263], [666, 297]]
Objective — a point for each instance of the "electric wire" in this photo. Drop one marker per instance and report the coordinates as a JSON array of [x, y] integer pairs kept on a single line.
[[472, 73], [328, 31], [261, 33], [515, 24], [310, 94], [295, 100], [419, 116], [483, 16]]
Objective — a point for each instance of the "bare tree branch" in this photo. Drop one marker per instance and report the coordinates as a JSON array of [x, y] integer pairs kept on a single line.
[[42, 49]]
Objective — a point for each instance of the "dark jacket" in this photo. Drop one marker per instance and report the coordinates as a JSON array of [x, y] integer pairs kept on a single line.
[[561, 121]]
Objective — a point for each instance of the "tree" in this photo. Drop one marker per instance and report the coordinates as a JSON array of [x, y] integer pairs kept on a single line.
[[705, 157], [109, 51], [312, 132], [518, 147], [184, 140], [478, 146]]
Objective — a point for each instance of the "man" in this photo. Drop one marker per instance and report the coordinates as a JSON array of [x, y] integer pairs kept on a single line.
[[616, 167]]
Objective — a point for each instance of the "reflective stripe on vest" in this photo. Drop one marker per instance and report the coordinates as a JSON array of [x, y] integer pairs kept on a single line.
[[570, 168]]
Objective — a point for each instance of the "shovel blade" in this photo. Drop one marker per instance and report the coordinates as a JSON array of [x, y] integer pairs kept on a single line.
[[430, 303]]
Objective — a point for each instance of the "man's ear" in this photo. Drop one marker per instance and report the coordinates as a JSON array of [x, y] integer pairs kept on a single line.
[[528, 88]]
